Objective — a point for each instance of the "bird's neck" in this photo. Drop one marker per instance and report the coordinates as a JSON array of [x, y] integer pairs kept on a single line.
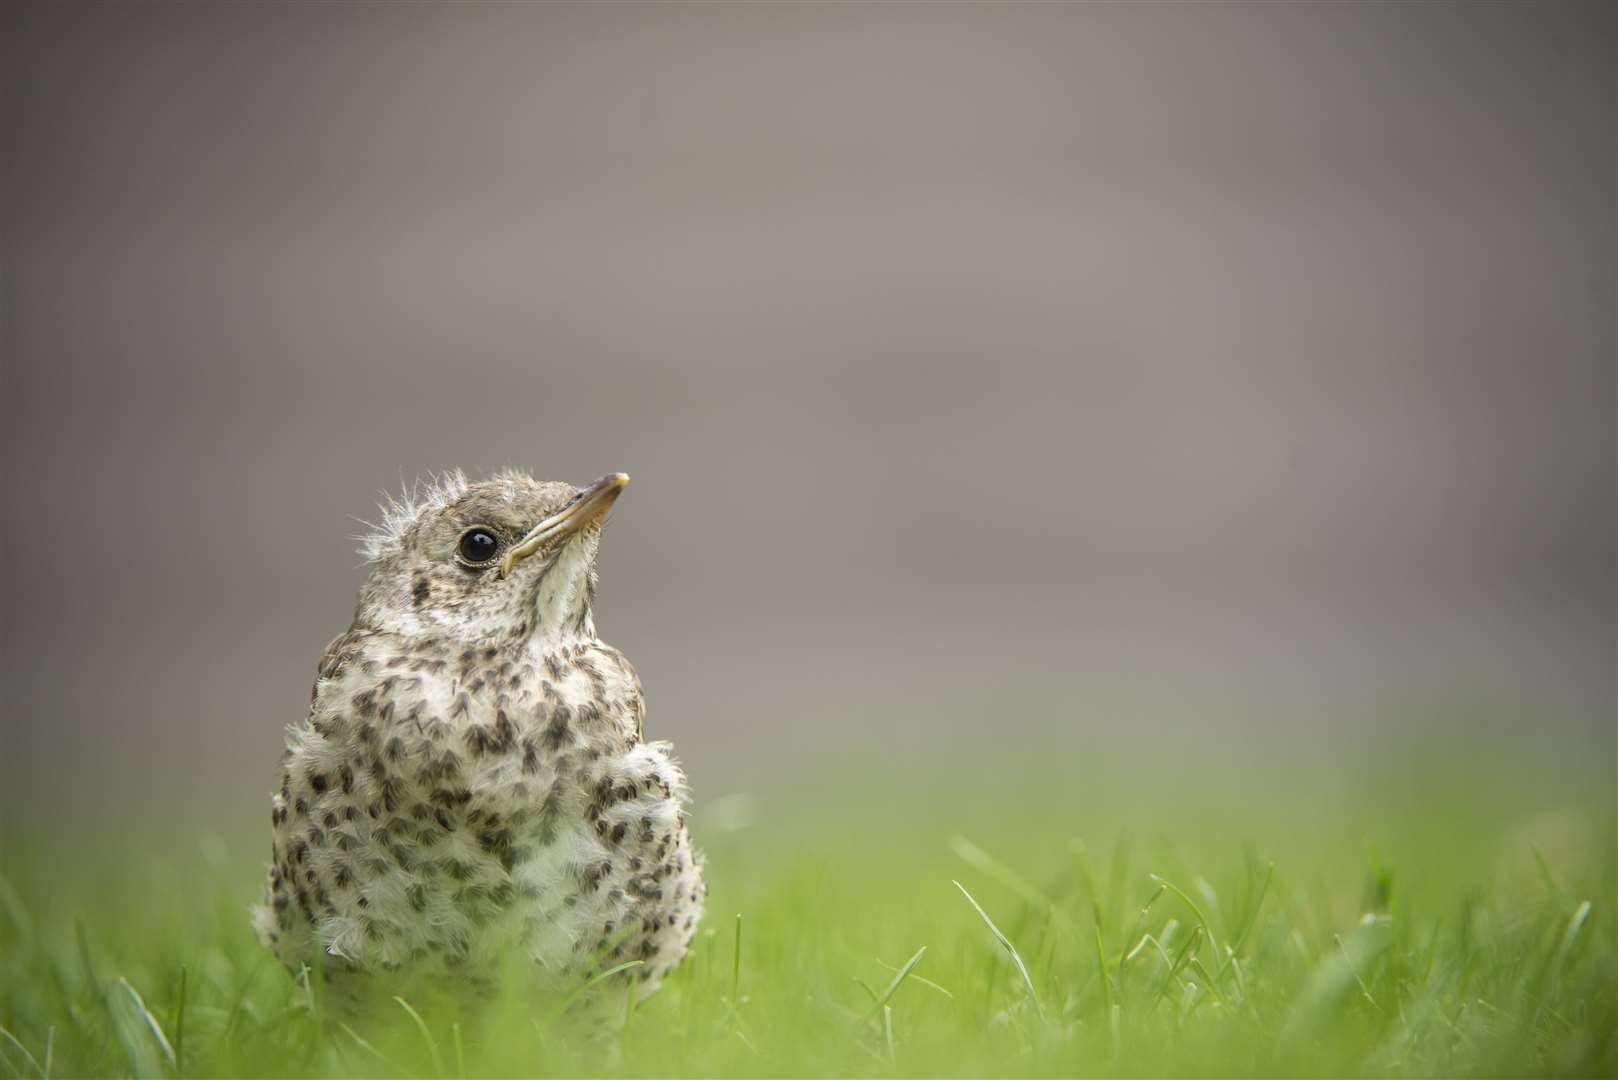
[[562, 597]]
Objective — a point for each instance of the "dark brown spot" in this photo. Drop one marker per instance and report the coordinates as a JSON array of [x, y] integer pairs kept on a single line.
[[557, 734]]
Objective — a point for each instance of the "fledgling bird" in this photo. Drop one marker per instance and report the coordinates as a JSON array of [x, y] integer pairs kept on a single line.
[[472, 777]]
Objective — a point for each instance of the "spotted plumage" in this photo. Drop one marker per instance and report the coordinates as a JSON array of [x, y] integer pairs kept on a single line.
[[472, 777]]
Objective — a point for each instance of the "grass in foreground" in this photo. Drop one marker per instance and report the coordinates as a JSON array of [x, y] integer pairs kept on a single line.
[[1476, 941]]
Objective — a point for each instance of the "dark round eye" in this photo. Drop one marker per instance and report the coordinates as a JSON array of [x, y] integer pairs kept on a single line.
[[477, 547]]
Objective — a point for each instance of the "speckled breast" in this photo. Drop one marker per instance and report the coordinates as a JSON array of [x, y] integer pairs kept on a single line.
[[443, 806]]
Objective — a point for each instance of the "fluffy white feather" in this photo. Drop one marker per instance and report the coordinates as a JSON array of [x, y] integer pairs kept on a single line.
[[400, 513]]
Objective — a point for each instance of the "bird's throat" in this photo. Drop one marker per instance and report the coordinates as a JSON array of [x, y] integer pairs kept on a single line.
[[563, 594]]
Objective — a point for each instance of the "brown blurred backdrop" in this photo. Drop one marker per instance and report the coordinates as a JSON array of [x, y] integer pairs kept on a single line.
[[1234, 369]]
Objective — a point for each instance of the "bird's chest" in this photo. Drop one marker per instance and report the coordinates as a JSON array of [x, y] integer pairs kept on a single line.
[[447, 803], [473, 715]]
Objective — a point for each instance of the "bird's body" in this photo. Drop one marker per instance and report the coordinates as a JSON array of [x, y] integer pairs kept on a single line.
[[472, 781]]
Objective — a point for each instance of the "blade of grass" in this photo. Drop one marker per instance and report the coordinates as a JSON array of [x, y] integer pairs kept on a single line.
[[14, 1041], [1157, 947], [629, 1000], [460, 1050], [84, 956], [1087, 878], [151, 1022], [1118, 873], [1140, 922], [241, 998], [1540, 986], [1317, 1003], [179, 1023], [904, 973], [363, 1045], [426, 1035], [306, 980], [1252, 916], [1550, 878], [1006, 944], [979, 859], [736, 962], [1195, 910], [1186, 952], [1196, 965], [567, 1002], [918, 979], [1101, 968], [1365, 991], [1575, 923], [1235, 967]]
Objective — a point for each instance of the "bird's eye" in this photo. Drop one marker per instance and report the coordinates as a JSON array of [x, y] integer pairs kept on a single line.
[[477, 547]]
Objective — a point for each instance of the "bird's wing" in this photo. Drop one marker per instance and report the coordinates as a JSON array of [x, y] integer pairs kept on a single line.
[[338, 652]]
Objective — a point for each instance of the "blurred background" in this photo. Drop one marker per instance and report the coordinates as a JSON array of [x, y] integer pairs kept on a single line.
[[1138, 378]]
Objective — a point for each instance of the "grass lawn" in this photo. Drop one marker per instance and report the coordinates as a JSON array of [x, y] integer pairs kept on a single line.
[[1408, 920]]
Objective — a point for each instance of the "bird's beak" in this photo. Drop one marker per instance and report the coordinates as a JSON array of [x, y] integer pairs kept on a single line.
[[588, 509]]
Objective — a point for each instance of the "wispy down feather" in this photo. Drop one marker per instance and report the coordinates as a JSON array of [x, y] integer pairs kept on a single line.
[[400, 512]]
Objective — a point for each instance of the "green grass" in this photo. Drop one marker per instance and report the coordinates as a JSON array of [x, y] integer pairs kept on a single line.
[[1435, 928]]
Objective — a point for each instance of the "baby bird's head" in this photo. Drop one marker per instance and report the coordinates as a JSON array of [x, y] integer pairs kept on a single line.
[[507, 559]]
